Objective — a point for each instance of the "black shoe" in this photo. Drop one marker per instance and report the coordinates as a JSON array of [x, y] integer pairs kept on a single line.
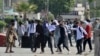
[[90, 51], [52, 52], [31, 50], [14, 46], [11, 51], [34, 51], [6, 52], [57, 50], [80, 53], [71, 45], [83, 51], [77, 53]]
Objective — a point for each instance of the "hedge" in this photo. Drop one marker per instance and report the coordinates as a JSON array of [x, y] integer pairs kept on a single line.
[[2, 24]]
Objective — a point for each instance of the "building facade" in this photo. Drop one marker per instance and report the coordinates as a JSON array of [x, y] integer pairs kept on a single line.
[[95, 3], [9, 3]]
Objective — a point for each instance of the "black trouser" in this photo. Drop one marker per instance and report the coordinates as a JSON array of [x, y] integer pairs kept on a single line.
[[32, 37], [61, 41], [49, 40], [70, 40], [79, 45], [75, 37], [39, 41], [89, 43]]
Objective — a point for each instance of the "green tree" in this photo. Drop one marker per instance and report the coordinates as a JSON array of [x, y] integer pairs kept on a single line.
[[55, 6], [88, 9], [25, 7], [2, 25], [90, 1], [58, 7], [39, 3]]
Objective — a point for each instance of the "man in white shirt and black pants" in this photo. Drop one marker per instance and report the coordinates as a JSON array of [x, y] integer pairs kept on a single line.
[[31, 32], [69, 26], [79, 37]]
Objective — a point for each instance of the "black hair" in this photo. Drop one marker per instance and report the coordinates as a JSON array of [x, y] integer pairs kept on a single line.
[[20, 23], [26, 33], [12, 24], [88, 20], [32, 21]]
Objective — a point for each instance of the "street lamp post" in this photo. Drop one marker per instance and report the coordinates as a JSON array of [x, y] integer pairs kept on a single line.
[[47, 8]]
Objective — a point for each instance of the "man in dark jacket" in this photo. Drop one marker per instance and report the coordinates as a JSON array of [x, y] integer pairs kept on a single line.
[[40, 37]]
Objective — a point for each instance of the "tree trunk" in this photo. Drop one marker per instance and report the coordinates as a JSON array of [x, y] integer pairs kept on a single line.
[[87, 10], [25, 16]]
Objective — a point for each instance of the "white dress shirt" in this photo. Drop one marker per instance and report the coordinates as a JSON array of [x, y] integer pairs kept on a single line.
[[51, 27], [79, 33], [15, 26], [32, 28], [21, 30], [69, 26], [26, 26]]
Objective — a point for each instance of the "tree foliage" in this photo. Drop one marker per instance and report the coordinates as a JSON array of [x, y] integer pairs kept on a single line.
[[2, 24], [25, 7], [61, 6], [39, 3], [90, 1], [55, 6], [50, 16]]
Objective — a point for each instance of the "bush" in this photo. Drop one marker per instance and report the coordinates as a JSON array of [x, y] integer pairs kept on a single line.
[[19, 20], [2, 24], [50, 16], [8, 19]]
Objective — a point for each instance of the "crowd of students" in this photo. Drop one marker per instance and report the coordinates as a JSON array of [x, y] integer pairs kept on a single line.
[[40, 32]]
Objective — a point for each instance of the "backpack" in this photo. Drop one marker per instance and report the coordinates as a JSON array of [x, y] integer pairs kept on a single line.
[[82, 32]]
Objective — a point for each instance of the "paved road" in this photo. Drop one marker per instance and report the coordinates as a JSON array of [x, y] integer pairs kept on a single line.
[[26, 52]]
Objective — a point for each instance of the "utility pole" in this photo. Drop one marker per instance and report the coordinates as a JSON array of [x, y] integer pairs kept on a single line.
[[94, 8], [47, 5], [3, 5], [47, 9]]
